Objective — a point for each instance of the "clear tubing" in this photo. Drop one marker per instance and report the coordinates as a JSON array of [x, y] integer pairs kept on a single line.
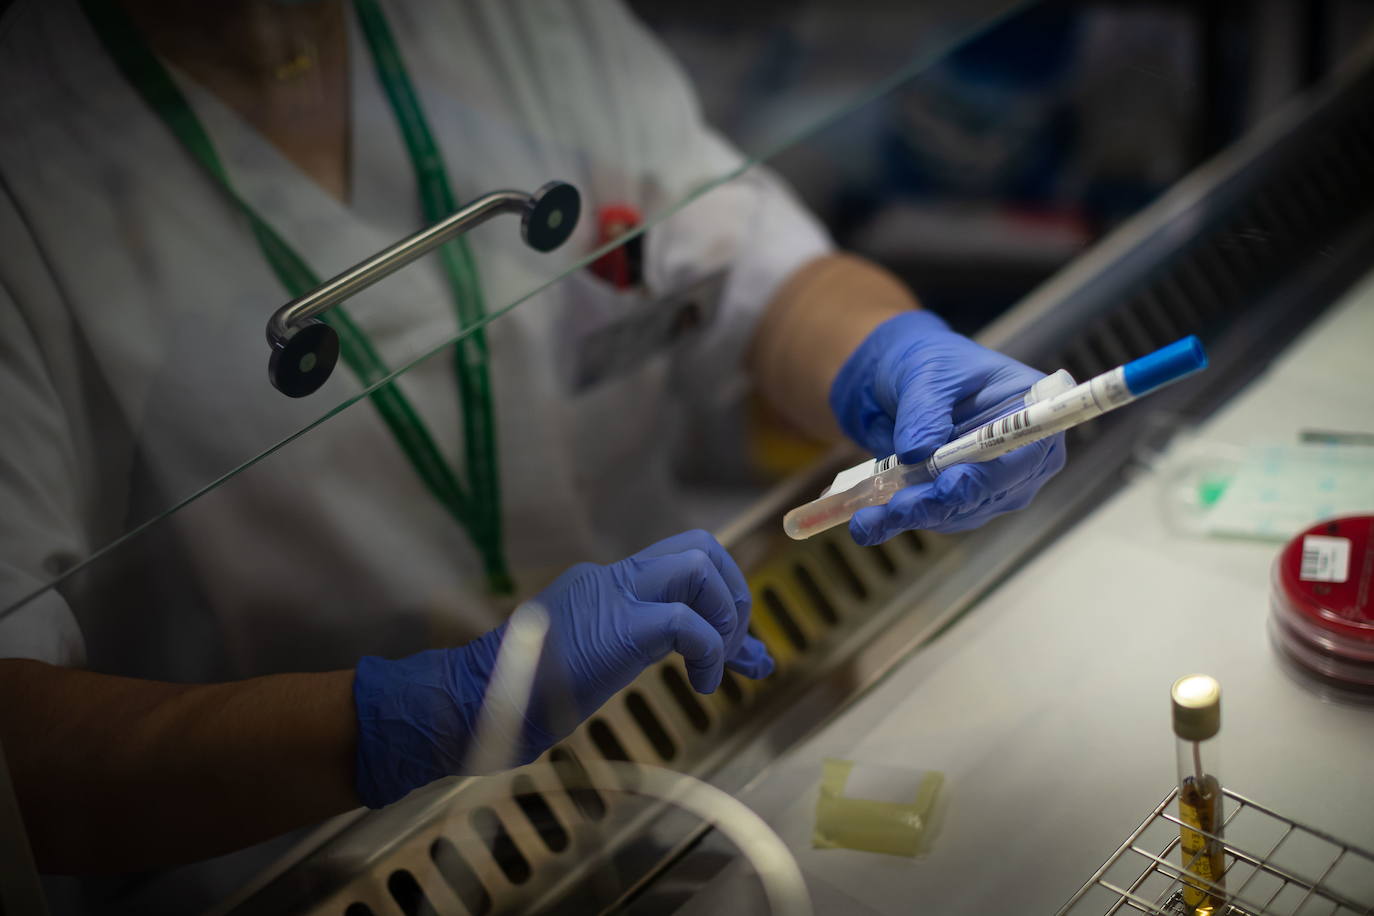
[[502, 719]]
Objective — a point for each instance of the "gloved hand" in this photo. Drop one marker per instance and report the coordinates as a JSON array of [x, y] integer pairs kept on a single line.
[[904, 390], [417, 716]]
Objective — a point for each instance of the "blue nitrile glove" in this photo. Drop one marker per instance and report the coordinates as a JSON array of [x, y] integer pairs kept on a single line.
[[417, 716], [904, 390]]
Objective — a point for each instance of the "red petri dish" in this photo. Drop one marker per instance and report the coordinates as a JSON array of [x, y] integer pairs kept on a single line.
[[1322, 603]]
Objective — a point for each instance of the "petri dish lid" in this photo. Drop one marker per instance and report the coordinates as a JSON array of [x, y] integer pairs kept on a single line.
[[1323, 580]]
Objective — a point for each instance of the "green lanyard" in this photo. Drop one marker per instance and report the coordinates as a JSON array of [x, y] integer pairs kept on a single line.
[[479, 509]]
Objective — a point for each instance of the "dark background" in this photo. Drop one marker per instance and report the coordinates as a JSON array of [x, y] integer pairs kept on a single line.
[[987, 172]]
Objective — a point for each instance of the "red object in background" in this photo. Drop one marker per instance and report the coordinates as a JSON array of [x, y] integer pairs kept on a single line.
[[1323, 601], [622, 266]]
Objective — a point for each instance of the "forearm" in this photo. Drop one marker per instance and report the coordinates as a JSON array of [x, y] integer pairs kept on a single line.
[[811, 326], [117, 774]]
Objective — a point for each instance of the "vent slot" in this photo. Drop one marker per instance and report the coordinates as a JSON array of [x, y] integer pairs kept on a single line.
[[506, 854], [460, 877], [884, 560], [1180, 306], [1129, 331], [1107, 345], [786, 622], [539, 814], [1287, 208], [1156, 319], [605, 740], [1211, 265], [824, 609], [840, 564], [1197, 285], [1088, 362], [685, 697], [574, 780], [354, 909], [649, 724], [1077, 368], [408, 894], [1231, 247], [729, 686]]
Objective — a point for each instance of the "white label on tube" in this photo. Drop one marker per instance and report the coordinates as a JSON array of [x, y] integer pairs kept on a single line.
[[852, 477], [1325, 559], [1009, 428], [1038, 421]]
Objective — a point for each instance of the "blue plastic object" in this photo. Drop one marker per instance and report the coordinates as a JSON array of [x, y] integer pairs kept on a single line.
[[417, 716], [905, 390], [1168, 364]]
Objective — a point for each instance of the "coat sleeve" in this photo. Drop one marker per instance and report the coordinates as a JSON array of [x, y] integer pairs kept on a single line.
[[43, 473]]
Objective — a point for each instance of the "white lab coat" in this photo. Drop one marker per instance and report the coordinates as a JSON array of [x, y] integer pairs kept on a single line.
[[133, 301]]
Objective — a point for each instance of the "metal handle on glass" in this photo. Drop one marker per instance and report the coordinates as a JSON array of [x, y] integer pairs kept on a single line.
[[304, 349]]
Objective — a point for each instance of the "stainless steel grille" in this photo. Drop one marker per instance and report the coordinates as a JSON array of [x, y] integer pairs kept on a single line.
[[1277, 205], [511, 855]]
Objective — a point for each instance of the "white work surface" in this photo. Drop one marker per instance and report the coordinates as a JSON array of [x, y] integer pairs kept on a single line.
[[1047, 706]]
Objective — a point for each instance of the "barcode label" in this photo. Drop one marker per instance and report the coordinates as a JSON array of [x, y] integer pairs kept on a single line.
[[1005, 426], [1325, 559], [852, 477]]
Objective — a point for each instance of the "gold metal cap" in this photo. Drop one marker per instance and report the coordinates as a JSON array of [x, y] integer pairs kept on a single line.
[[1197, 707]]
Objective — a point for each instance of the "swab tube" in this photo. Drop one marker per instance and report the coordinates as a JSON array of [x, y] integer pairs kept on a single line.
[[875, 482]]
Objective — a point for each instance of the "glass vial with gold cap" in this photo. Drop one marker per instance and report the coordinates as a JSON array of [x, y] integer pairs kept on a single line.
[[1197, 719]]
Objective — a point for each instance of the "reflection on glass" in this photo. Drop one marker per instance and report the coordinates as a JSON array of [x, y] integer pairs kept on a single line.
[[156, 151]]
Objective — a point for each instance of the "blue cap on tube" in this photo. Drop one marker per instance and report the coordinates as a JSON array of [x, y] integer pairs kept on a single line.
[[1169, 364]]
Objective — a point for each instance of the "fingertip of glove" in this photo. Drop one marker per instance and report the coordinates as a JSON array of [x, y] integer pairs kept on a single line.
[[705, 680], [765, 667], [753, 660], [861, 535], [953, 485], [915, 446], [865, 527]]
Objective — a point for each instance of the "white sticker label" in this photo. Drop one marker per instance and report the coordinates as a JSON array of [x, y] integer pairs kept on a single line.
[[1325, 559], [859, 473], [851, 476]]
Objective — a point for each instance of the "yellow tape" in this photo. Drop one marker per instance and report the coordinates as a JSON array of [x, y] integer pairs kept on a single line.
[[889, 827], [765, 622]]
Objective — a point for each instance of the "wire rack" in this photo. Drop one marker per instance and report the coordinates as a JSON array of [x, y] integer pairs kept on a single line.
[[1274, 866]]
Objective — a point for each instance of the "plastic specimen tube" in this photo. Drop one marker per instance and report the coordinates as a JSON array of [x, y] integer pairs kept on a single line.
[[873, 483], [1197, 720]]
